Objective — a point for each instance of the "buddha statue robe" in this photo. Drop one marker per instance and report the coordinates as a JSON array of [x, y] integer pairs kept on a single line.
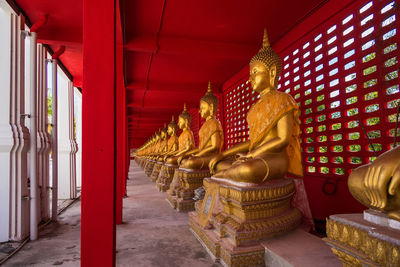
[[262, 120], [185, 141], [207, 130]]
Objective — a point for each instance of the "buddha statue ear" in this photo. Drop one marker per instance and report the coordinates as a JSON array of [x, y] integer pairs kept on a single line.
[[211, 109], [272, 75]]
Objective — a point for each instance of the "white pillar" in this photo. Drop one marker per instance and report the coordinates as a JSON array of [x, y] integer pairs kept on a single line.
[[19, 194], [66, 145], [54, 140], [72, 138], [43, 137], [33, 155], [6, 133], [78, 129]]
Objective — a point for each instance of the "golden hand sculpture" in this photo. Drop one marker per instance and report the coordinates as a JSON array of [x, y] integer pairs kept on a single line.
[[211, 138], [376, 185], [273, 148]]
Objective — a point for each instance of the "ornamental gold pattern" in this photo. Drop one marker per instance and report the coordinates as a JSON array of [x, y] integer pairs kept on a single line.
[[165, 177], [248, 215], [190, 180], [156, 171], [149, 167], [358, 246]]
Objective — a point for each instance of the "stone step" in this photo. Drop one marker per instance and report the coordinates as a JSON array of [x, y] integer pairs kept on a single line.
[[297, 249]]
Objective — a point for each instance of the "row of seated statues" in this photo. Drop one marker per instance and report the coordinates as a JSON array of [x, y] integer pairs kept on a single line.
[[242, 195]]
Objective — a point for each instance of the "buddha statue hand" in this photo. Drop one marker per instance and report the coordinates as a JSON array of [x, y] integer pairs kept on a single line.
[[213, 162], [181, 158], [376, 185], [243, 157], [383, 177]]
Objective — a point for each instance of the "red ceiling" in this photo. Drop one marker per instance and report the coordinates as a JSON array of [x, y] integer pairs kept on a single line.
[[172, 47], [63, 27]]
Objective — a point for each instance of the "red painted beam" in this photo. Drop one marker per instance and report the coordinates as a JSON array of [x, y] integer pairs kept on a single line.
[[167, 87], [98, 135], [185, 46]]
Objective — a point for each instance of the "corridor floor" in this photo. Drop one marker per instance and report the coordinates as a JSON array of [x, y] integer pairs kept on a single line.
[[152, 234]]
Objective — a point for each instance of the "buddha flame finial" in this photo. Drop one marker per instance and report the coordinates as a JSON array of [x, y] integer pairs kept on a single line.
[[210, 98], [173, 124], [268, 57], [185, 114], [265, 39]]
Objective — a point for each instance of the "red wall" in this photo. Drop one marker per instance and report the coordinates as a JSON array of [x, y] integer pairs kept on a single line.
[[325, 175]]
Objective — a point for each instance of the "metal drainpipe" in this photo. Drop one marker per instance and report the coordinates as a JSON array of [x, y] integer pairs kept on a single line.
[[34, 200], [54, 142]]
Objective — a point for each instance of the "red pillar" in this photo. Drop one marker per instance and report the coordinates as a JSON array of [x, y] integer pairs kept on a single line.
[[98, 134], [120, 98], [125, 145]]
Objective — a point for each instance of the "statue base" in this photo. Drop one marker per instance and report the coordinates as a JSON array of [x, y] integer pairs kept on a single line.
[[165, 178], [364, 239], [190, 181], [231, 221], [149, 167], [156, 171]]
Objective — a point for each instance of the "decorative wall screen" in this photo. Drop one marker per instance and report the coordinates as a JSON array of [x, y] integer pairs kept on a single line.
[[344, 76]]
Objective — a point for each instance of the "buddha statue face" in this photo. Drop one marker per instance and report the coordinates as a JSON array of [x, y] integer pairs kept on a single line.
[[262, 77], [206, 110], [182, 123], [163, 134], [170, 130]]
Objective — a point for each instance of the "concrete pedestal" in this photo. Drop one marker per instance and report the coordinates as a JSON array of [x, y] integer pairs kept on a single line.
[[165, 177], [231, 221], [156, 171], [190, 181], [149, 167]]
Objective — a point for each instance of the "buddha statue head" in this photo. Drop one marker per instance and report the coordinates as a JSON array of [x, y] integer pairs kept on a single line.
[[164, 132], [158, 135], [265, 68], [184, 119], [208, 104], [172, 127]]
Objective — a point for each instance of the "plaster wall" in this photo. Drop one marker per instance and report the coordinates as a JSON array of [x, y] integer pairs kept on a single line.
[[6, 136]]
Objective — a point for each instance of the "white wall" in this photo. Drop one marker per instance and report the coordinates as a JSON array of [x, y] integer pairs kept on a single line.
[[78, 120], [6, 136], [66, 174]]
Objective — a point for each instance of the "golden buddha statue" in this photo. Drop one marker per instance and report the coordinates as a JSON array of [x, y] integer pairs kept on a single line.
[[273, 148], [185, 140], [185, 144], [162, 149], [193, 165], [172, 144], [170, 147], [211, 136], [376, 185], [153, 153], [164, 141], [248, 198]]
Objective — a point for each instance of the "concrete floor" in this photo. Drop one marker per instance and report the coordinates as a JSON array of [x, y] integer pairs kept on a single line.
[[153, 234]]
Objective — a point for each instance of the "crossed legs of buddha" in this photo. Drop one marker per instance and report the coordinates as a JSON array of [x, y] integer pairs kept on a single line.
[[254, 170]]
